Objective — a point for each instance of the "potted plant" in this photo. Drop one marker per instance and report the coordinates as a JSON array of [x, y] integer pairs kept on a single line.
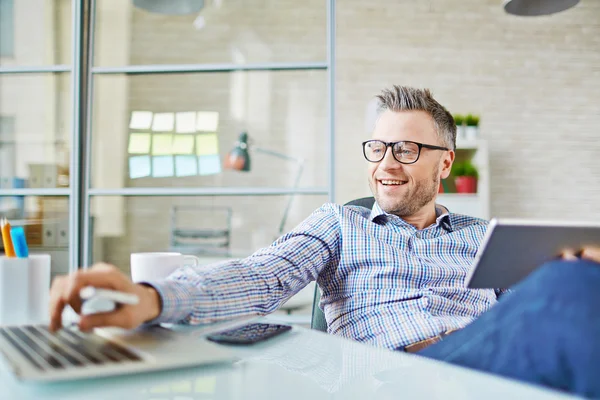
[[460, 126], [472, 128], [465, 177]]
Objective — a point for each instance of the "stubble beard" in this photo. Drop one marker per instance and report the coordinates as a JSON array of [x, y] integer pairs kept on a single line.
[[410, 204]]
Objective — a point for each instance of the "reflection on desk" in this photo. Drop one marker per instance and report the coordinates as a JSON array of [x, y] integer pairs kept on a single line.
[[303, 365]]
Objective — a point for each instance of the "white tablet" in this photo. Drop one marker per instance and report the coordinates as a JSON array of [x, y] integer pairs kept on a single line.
[[512, 248]]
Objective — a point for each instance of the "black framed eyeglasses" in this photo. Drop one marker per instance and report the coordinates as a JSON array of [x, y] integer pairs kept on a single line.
[[405, 151]]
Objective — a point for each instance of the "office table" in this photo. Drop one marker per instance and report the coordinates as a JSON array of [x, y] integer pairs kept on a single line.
[[303, 364]]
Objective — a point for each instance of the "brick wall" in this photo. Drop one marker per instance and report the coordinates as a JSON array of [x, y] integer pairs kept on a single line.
[[534, 81]]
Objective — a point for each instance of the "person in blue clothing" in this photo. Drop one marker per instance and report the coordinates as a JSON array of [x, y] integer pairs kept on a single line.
[[392, 276]]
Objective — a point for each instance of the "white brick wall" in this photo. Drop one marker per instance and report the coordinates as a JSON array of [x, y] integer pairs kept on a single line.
[[534, 81]]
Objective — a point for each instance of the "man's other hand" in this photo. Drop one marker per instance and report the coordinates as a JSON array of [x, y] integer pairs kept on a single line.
[[587, 253], [65, 291]]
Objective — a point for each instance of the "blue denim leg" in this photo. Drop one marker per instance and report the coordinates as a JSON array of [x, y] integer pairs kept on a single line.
[[546, 332]]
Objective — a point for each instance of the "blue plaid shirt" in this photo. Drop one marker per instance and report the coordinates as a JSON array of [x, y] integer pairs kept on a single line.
[[383, 281]]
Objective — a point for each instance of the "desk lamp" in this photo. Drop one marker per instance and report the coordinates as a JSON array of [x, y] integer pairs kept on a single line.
[[239, 159], [530, 8]]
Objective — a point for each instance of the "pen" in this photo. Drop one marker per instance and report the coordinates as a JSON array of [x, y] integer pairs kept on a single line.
[[90, 292], [8, 244], [17, 235]]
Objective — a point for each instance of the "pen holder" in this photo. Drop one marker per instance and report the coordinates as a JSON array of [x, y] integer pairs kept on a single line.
[[39, 288], [24, 289], [14, 286]]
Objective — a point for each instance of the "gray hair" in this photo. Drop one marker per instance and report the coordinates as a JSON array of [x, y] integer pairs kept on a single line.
[[405, 98]]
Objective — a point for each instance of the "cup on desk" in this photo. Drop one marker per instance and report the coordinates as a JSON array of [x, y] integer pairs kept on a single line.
[[156, 266], [24, 289]]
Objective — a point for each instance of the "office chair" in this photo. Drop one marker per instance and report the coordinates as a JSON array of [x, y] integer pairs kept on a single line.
[[318, 321]]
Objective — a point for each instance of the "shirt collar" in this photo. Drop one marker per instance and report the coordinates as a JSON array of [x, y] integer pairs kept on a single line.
[[442, 216]]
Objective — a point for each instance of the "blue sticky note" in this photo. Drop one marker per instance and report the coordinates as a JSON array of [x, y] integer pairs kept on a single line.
[[186, 165], [209, 165], [162, 166], [139, 167]]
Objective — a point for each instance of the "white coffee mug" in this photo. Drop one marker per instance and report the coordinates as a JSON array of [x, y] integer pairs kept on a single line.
[[147, 267]]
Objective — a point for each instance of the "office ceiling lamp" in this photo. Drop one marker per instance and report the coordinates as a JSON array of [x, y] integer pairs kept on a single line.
[[239, 159], [532, 8], [170, 7]]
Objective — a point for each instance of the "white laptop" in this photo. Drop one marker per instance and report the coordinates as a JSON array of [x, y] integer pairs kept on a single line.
[[513, 248], [35, 354]]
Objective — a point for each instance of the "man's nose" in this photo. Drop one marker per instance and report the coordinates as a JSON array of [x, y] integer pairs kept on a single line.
[[388, 159]]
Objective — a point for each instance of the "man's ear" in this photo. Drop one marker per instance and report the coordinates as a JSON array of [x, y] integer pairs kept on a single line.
[[446, 164]]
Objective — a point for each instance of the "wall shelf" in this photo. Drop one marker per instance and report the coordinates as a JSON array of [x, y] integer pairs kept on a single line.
[[473, 204]]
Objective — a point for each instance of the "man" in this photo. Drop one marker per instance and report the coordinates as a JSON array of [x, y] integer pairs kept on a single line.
[[392, 277]]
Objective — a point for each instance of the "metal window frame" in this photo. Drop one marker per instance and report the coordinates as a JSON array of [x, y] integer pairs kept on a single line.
[[83, 72]]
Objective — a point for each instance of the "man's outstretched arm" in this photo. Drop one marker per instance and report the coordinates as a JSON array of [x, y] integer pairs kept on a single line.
[[254, 285]]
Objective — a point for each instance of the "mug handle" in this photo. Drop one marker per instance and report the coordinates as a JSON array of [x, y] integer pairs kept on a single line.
[[195, 260]]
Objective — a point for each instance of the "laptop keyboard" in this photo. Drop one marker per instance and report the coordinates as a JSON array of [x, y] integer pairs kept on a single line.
[[66, 348]]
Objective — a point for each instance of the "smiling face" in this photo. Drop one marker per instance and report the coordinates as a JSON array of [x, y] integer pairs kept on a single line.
[[408, 190]]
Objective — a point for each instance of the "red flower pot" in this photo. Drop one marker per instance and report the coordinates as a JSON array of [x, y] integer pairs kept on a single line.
[[466, 184]]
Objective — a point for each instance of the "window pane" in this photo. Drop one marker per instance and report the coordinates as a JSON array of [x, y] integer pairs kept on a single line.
[[177, 130], [35, 119], [35, 32], [46, 224], [232, 31], [191, 225]]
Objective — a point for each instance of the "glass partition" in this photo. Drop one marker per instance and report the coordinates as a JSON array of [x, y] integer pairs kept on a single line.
[[167, 125], [35, 32], [237, 31], [176, 130], [213, 228], [35, 140], [45, 220]]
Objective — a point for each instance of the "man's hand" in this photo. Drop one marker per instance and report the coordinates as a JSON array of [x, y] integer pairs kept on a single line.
[[65, 290], [587, 253]]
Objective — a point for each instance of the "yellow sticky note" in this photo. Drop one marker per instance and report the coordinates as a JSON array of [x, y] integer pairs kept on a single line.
[[162, 144], [183, 144], [207, 144], [139, 143], [207, 121]]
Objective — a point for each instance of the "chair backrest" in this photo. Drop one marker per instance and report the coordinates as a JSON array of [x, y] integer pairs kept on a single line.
[[366, 202], [318, 321]]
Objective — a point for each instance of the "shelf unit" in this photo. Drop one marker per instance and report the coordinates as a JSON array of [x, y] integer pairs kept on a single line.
[[473, 204]]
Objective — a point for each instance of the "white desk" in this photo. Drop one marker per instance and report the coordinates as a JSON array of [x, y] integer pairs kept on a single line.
[[303, 365]]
